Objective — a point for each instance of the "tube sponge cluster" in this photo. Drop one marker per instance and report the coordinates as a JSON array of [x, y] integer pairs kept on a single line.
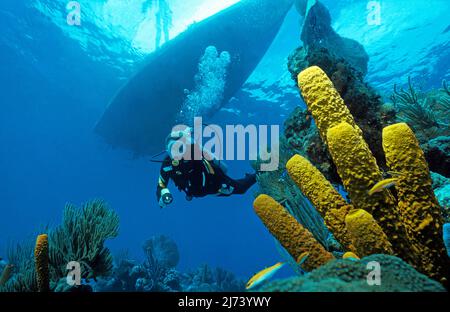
[[41, 263], [297, 240], [329, 203], [410, 227]]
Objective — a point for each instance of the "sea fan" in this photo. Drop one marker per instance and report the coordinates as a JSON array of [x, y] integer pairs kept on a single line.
[[81, 238]]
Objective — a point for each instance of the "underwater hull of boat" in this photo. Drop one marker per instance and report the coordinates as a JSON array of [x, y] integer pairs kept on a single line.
[[143, 112]]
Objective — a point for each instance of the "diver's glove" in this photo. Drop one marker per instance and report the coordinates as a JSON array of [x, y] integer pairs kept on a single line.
[[166, 198]]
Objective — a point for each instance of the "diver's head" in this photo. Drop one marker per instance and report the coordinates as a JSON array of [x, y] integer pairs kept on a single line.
[[177, 142]]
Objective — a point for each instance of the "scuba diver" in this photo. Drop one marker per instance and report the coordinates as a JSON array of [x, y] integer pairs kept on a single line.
[[197, 177]]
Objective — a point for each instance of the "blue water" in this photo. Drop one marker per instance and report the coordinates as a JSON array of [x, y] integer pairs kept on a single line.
[[56, 81]]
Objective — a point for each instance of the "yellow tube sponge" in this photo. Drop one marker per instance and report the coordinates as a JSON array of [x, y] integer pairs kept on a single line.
[[326, 105], [366, 235], [417, 203], [297, 240], [357, 168], [328, 202], [41, 262], [359, 172]]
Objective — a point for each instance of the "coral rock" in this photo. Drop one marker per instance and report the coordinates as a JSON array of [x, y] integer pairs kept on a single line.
[[346, 275]]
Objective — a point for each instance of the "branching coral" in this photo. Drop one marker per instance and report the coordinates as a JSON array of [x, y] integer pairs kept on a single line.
[[162, 256], [6, 274], [81, 238], [426, 113], [23, 277]]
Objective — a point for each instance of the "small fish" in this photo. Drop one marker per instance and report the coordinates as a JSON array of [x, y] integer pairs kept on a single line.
[[263, 275], [384, 184], [350, 256], [302, 258]]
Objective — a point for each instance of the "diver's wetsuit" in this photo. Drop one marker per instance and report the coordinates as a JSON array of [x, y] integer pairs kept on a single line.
[[198, 178]]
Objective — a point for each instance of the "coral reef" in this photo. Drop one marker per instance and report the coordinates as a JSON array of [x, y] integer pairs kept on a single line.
[[318, 33], [345, 62], [359, 172], [297, 240], [364, 104], [207, 279], [437, 153], [427, 114], [41, 262], [158, 273], [80, 238], [23, 278], [337, 128], [163, 250], [371, 223], [351, 276]]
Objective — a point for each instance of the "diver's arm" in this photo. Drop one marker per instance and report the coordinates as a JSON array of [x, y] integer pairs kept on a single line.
[[163, 195]]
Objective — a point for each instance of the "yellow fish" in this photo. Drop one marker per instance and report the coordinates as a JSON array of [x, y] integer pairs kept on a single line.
[[384, 184], [350, 255], [302, 258], [263, 275]]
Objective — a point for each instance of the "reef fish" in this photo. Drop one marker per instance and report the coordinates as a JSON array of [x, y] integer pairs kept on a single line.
[[350, 256], [384, 184], [263, 275]]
